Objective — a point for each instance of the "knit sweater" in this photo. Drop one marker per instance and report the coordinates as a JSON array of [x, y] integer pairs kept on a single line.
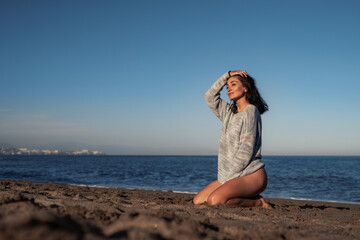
[[240, 141]]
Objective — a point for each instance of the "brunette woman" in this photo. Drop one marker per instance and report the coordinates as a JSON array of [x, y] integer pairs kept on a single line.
[[241, 174]]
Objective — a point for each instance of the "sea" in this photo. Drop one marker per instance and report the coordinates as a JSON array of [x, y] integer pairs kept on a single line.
[[324, 178]]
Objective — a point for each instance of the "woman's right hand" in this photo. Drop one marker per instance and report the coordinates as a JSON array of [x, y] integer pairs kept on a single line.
[[238, 72]]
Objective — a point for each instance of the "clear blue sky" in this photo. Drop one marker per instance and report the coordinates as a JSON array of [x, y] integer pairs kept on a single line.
[[128, 77]]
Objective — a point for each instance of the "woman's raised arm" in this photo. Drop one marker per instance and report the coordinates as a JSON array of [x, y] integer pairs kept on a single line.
[[212, 97]]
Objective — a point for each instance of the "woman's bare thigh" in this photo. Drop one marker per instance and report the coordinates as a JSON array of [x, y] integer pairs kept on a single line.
[[240, 187]]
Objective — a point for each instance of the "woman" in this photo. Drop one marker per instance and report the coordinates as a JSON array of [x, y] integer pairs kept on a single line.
[[241, 174]]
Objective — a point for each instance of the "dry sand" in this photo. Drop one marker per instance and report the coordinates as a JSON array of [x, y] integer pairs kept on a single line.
[[56, 211]]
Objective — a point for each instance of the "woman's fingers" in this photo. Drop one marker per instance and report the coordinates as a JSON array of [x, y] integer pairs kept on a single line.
[[239, 72], [243, 74]]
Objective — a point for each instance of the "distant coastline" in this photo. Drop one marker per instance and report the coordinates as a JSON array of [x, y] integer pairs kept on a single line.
[[27, 151]]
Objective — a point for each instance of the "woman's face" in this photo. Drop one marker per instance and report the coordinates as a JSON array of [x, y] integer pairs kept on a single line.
[[235, 89]]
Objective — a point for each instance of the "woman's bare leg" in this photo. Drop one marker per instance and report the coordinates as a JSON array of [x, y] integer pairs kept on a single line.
[[244, 202], [258, 201], [203, 195], [241, 191]]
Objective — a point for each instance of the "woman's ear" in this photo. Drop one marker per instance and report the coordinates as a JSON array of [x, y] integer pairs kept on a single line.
[[245, 89]]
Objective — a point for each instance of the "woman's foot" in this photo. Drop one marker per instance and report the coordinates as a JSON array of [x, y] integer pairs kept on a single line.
[[264, 204]]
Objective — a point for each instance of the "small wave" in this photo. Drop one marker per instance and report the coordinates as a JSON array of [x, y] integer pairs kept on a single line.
[[184, 192], [321, 200]]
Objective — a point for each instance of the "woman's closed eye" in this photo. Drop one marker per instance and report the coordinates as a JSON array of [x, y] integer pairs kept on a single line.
[[227, 86]]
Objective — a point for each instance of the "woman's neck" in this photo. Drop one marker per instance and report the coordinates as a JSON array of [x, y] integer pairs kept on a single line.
[[241, 104]]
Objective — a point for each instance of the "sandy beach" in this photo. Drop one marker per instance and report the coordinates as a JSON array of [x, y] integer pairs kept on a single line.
[[57, 211]]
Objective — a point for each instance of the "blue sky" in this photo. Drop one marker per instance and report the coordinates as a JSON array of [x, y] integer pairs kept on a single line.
[[128, 77]]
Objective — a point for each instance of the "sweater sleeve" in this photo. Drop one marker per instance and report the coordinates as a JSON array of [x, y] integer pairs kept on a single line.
[[212, 97], [248, 140]]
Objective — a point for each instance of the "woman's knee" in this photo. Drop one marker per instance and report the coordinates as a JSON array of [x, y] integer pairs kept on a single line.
[[202, 196], [197, 200], [216, 199]]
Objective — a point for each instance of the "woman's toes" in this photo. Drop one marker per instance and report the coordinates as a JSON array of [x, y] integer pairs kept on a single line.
[[265, 204]]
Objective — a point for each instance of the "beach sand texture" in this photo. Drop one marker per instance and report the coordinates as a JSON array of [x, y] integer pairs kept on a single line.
[[57, 211]]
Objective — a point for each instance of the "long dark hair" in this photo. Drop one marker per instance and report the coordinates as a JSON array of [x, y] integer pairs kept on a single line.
[[252, 95]]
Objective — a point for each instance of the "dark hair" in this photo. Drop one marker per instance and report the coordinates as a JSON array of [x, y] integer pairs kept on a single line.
[[252, 94]]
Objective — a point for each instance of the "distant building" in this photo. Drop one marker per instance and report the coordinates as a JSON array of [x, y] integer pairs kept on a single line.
[[26, 151]]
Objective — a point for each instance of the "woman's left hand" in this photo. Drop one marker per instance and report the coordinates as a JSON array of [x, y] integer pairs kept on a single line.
[[238, 72]]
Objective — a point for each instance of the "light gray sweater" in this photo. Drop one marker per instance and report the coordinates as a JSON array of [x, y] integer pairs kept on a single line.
[[240, 140]]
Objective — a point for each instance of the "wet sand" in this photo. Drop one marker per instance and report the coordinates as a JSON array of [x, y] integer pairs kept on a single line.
[[56, 211]]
